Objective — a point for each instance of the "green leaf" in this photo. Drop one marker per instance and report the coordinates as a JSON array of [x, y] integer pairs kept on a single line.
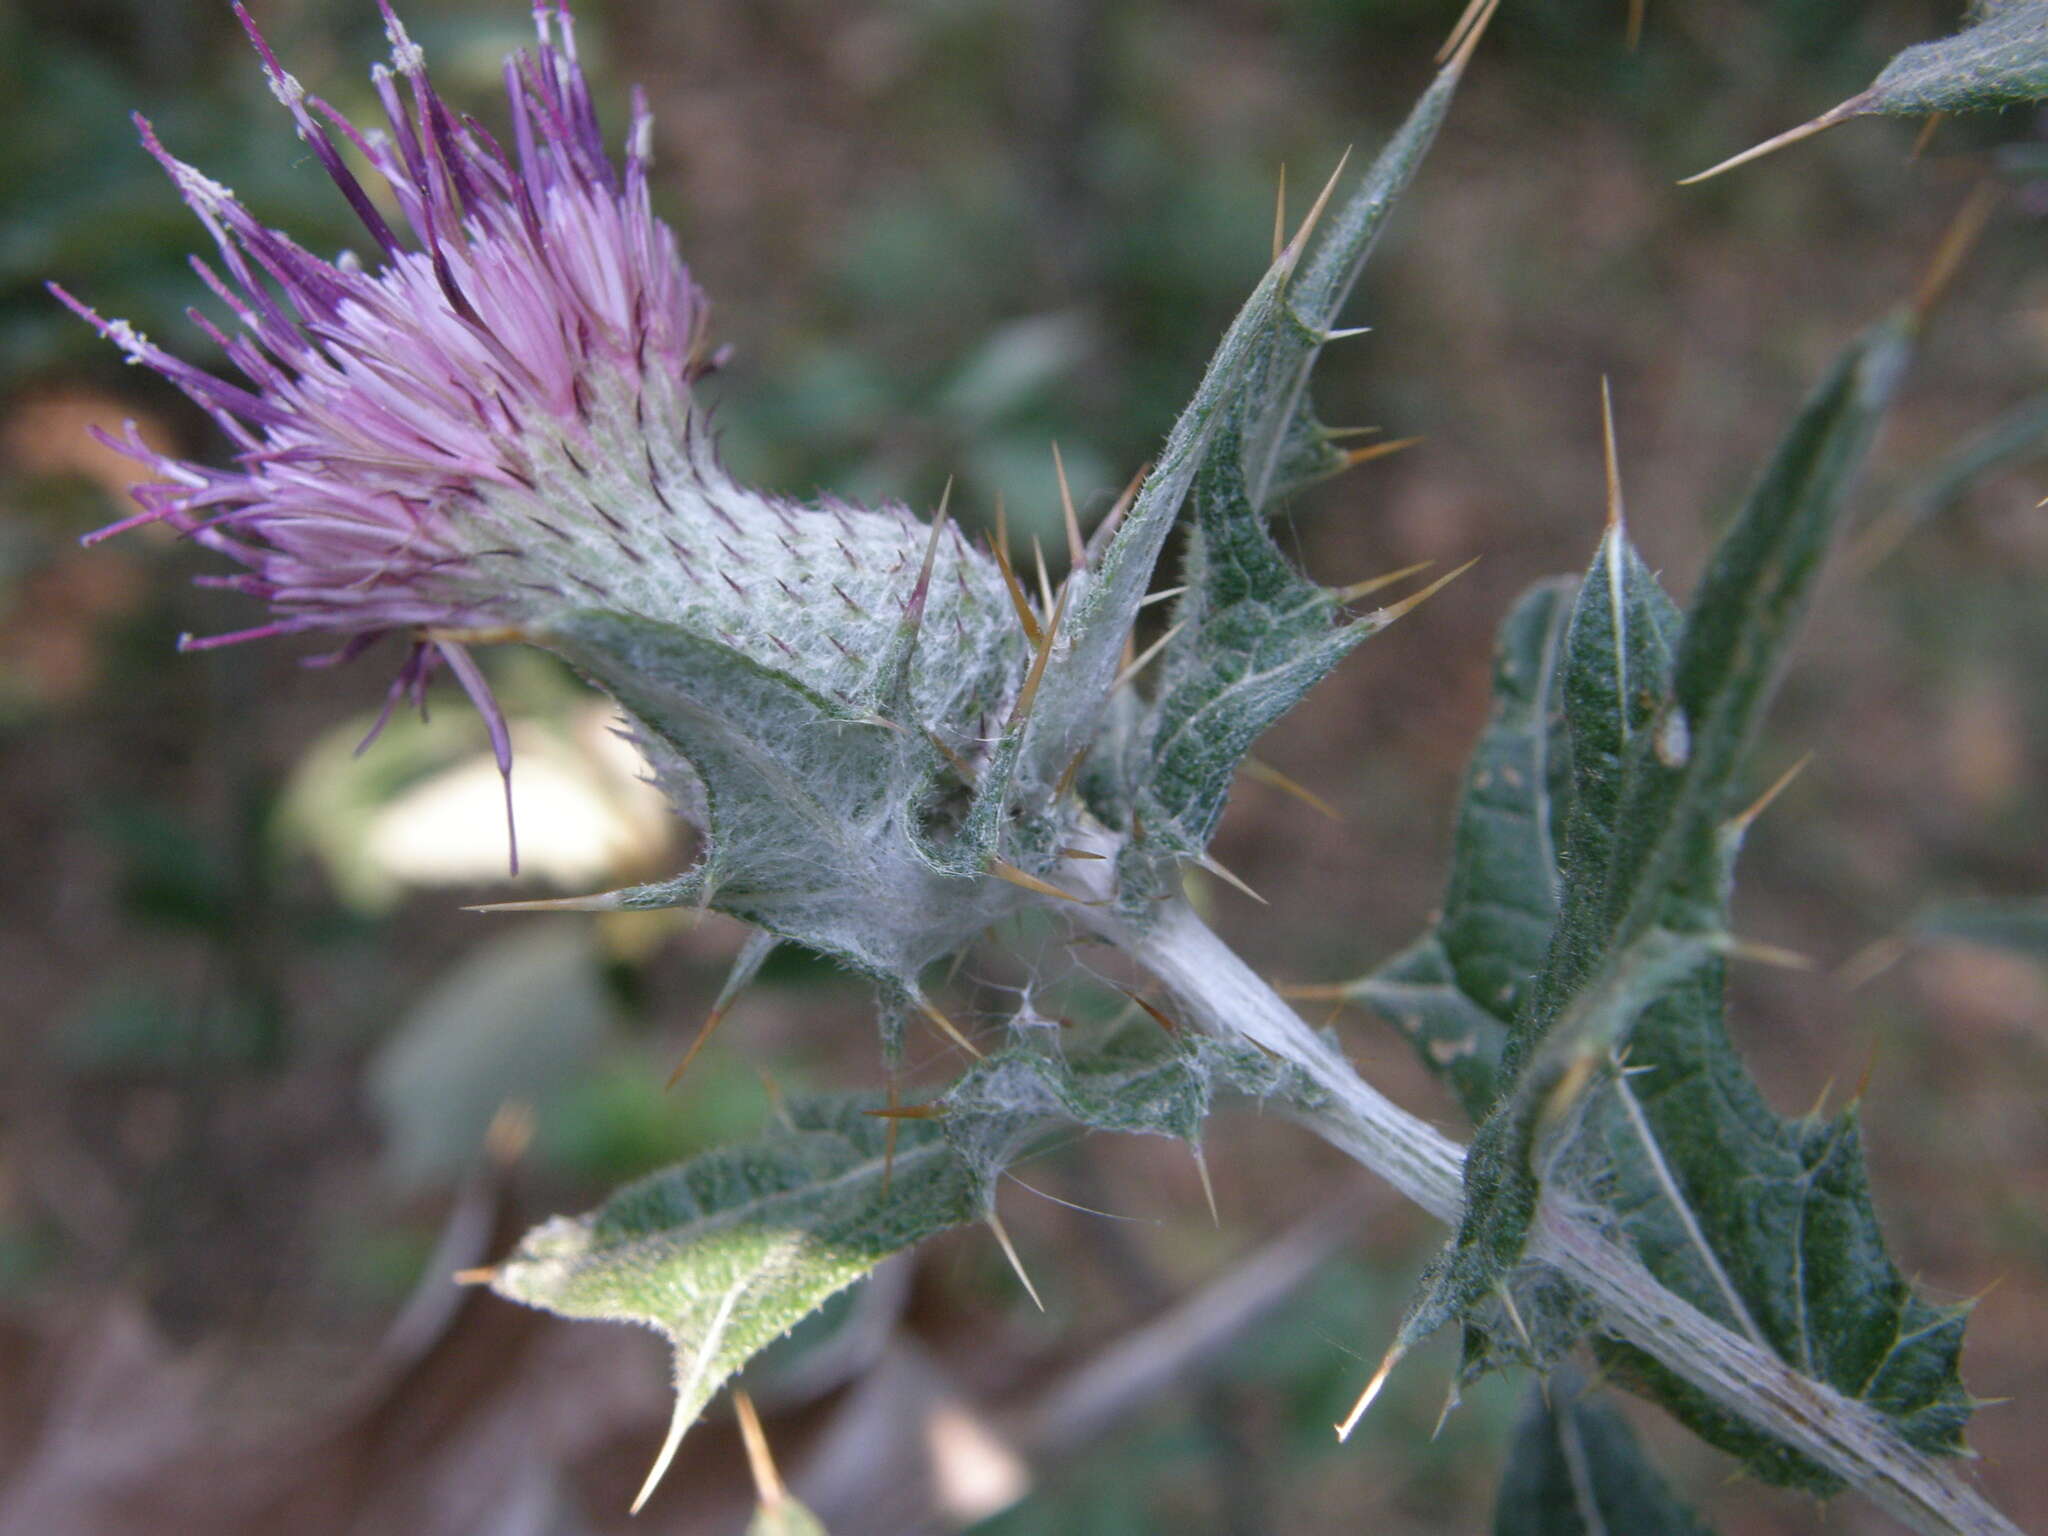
[[1999, 60], [1765, 1224], [1076, 691], [1254, 636], [1575, 1470], [813, 807], [1455, 991], [726, 1252], [1284, 447], [1251, 635]]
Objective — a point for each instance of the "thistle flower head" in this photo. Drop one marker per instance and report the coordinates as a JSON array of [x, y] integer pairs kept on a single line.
[[489, 422], [486, 430]]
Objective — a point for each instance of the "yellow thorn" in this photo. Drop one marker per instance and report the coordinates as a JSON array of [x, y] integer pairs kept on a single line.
[[931, 547], [1044, 581], [1873, 960], [1209, 863], [1372, 1390], [1371, 584], [1765, 954], [482, 1275], [1507, 1301], [1165, 594], [1451, 1400], [1138, 664], [1208, 1189], [999, 546], [768, 1489], [1747, 819], [1070, 773], [954, 760], [1353, 457], [1470, 42], [1280, 213], [1925, 136], [1790, 136], [1820, 1104], [1338, 434], [604, 901], [1956, 243], [1385, 616], [995, 1225], [1159, 1016], [889, 1139], [1028, 696], [710, 1027], [1636, 10], [1267, 774], [1002, 869], [678, 1426], [1465, 20], [1615, 518], [948, 1028], [1292, 253], [1077, 550], [1123, 504], [495, 634], [907, 1111]]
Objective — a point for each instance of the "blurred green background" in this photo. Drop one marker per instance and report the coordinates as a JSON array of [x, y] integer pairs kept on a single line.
[[266, 1085]]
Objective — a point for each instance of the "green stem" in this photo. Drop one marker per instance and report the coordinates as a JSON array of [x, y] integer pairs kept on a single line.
[[1220, 993]]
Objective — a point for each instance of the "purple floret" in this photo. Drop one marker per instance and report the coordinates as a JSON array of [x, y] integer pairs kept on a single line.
[[398, 426]]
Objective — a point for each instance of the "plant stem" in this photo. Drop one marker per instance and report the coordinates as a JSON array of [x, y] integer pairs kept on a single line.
[[1221, 994]]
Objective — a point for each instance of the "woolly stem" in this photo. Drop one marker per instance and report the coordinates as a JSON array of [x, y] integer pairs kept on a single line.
[[1220, 993]]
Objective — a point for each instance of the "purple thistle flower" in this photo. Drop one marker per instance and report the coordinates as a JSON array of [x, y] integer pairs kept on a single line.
[[437, 443]]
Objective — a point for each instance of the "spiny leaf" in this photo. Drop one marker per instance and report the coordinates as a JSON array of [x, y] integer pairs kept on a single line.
[[1789, 1253], [1251, 635], [812, 807], [1455, 991], [1106, 598], [1284, 446], [1575, 1470], [1765, 1224], [728, 1251], [2000, 60]]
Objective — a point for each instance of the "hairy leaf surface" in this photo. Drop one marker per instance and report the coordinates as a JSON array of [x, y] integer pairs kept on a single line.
[[727, 1252], [1764, 1223], [1251, 635], [2000, 60], [1455, 991]]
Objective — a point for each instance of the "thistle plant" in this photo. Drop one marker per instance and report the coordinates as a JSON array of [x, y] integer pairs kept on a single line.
[[489, 431]]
